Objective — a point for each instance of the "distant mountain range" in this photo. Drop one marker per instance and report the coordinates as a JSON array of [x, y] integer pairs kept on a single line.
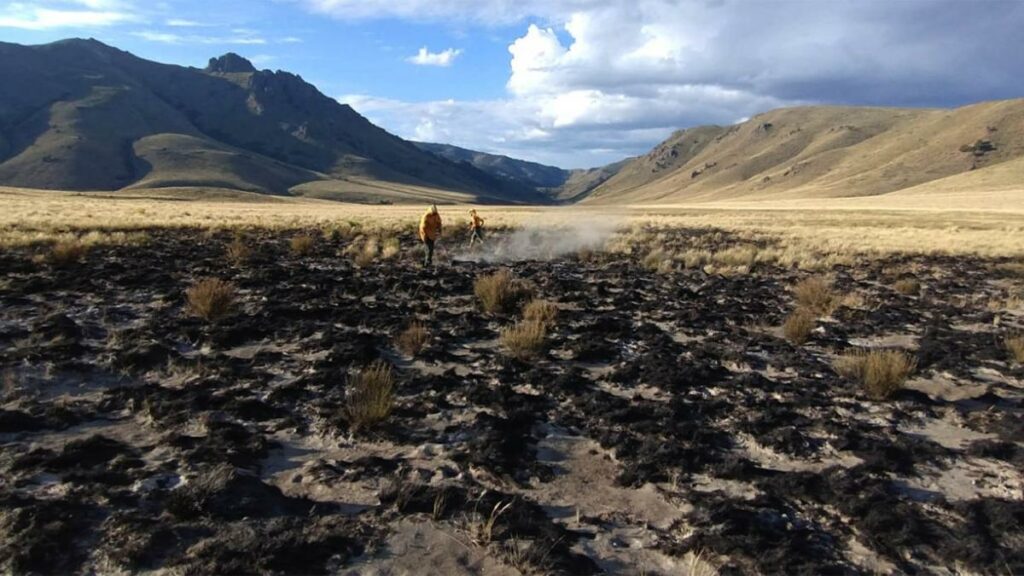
[[81, 115]]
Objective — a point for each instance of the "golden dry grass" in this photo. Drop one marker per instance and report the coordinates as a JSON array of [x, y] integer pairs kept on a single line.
[[412, 340], [68, 252], [369, 396], [798, 326], [880, 372], [1015, 347], [500, 291], [542, 311], [816, 295], [238, 251], [302, 244], [523, 340], [210, 299], [907, 287]]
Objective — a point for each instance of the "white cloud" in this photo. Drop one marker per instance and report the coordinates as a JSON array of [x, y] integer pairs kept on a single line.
[[427, 58], [172, 38], [64, 14], [183, 23]]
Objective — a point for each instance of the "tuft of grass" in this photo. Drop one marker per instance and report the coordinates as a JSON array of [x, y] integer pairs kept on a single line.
[[210, 299], [798, 326], [742, 256], [658, 260], [499, 292], [369, 396], [412, 340], [816, 295], [68, 252], [543, 311], [302, 244], [907, 287], [881, 372], [390, 248], [523, 340], [238, 252], [1015, 346]]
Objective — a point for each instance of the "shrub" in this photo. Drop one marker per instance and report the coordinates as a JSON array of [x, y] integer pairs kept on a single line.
[[907, 287], [499, 292], [390, 249], [1015, 346], [881, 372], [366, 254], [798, 326], [658, 260], [68, 252], [369, 396], [742, 256], [816, 295], [302, 244], [523, 340], [412, 339], [210, 299], [542, 311], [238, 251]]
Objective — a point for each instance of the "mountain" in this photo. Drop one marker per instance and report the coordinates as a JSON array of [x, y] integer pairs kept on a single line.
[[562, 185], [81, 115], [829, 152]]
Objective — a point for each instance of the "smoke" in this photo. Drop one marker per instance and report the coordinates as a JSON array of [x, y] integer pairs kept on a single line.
[[544, 239]]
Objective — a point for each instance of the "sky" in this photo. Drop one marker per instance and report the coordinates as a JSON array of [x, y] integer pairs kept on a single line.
[[573, 83]]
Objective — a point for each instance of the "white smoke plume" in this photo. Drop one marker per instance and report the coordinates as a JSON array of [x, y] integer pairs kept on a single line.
[[546, 238]]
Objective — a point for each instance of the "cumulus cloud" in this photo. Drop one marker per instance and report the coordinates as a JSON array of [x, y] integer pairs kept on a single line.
[[65, 14], [427, 58], [604, 78]]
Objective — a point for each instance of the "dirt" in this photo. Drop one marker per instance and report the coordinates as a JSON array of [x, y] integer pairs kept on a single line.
[[667, 428]]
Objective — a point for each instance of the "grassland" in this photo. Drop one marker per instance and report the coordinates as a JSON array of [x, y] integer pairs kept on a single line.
[[836, 229]]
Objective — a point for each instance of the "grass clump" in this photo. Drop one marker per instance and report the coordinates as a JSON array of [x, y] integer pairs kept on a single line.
[[907, 287], [369, 396], [881, 372], [302, 244], [499, 292], [238, 252], [1015, 346], [816, 295], [543, 311], [210, 299], [798, 326], [390, 248], [523, 340], [412, 340], [68, 252]]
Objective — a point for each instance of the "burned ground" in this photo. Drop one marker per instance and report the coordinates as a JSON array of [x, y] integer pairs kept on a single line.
[[667, 418]]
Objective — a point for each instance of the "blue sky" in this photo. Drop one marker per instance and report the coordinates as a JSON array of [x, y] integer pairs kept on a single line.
[[575, 83]]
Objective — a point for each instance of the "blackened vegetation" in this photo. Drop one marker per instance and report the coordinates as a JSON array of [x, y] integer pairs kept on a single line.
[[134, 436]]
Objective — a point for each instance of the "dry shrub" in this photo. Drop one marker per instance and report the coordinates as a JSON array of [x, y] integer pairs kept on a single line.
[[658, 260], [238, 251], [743, 256], [542, 311], [390, 248], [68, 252], [499, 292], [798, 326], [881, 372], [412, 339], [210, 299], [365, 255], [696, 258], [369, 396], [1015, 346], [302, 244], [523, 340], [907, 287], [816, 295]]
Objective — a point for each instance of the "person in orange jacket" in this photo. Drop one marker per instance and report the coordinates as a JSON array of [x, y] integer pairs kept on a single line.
[[430, 231], [476, 228]]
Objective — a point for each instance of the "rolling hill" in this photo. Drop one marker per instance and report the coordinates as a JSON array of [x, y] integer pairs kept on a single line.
[[81, 115], [829, 152]]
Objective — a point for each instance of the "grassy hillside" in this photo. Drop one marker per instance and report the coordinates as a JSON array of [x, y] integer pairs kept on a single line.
[[80, 115], [827, 152]]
